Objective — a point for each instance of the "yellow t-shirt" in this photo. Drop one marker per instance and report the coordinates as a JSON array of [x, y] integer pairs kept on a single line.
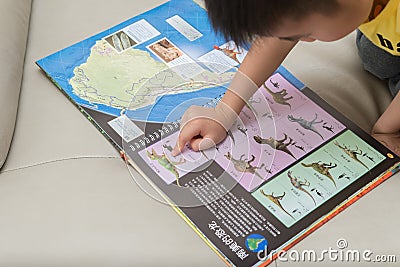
[[384, 29]]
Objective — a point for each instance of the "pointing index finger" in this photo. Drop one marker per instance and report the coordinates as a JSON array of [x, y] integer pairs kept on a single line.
[[186, 134]]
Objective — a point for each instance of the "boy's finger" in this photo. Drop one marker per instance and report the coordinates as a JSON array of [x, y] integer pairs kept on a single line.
[[202, 143], [178, 146], [206, 143], [186, 134]]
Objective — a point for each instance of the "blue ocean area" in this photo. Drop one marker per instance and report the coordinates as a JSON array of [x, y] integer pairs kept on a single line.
[[170, 108]]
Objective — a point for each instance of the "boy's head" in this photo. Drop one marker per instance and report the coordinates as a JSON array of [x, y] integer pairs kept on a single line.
[[293, 20]]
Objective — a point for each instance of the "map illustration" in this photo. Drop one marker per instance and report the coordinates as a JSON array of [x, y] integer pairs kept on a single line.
[[144, 66], [113, 79], [256, 243]]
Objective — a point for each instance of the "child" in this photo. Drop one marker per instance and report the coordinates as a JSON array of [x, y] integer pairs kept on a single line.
[[274, 28]]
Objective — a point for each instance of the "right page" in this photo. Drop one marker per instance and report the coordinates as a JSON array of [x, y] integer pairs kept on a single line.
[[288, 161]]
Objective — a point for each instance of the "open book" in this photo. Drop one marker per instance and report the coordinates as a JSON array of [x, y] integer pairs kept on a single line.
[[289, 163]]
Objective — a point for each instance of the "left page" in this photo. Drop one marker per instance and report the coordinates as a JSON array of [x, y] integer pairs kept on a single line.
[[127, 80]]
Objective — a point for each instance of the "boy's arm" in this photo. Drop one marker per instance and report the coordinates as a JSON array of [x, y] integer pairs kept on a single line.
[[264, 57], [389, 122], [387, 128], [204, 127]]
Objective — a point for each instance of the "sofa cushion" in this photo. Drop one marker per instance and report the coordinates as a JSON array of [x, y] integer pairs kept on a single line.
[[14, 24]]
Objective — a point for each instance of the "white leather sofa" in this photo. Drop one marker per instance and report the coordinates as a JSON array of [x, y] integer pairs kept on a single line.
[[66, 197]]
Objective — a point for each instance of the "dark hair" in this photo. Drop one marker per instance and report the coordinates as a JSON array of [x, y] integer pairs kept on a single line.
[[242, 20]]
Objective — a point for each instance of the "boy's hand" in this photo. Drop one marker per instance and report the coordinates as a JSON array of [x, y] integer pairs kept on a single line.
[[203, 127], [390, 140]]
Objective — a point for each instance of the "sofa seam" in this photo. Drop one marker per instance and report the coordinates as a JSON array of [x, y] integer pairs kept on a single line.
[[57, 161]]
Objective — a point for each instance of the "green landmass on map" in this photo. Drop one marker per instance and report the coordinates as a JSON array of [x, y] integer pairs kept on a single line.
[[132, 79], [254, 243]]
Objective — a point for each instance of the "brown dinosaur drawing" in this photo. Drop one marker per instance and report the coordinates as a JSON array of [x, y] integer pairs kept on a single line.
[[229, 52], [165, 162], [279, 96], [277, 144], [351, 153], [322, 168], [277, 201], [298, 184], [243, 166]]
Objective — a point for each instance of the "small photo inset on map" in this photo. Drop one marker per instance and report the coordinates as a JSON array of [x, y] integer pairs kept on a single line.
[[120, 41], [165, 50]]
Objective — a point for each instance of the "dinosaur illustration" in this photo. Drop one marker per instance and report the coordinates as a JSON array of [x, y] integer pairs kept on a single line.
[[343, 175], [368, 157], [276, 144], [164, 161], [298, 184], [329, 128], [307, 125], [371, 158], [351, 153], [268, 170], [277, 201], [279, 97], [243, 166], [275, 84], [322, 168], [300, 147], [296, 211], [168, 147], [243, 130], [228, 52], [268, 115], [317, 192]]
